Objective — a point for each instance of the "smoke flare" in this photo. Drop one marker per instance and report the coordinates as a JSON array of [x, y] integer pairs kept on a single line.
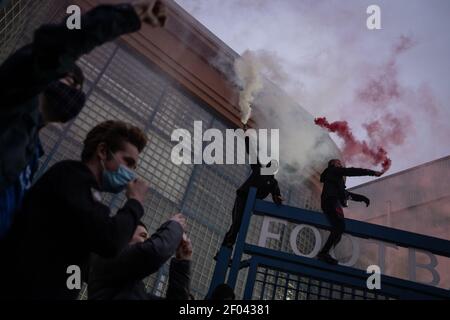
[[248, 72], [354, 148]]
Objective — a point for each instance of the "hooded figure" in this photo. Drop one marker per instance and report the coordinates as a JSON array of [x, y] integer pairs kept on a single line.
[[334, 197], [24, 112]]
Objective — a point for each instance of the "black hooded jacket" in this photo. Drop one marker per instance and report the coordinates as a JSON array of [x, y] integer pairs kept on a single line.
[[265, 184], [28, 72], [334, 183]]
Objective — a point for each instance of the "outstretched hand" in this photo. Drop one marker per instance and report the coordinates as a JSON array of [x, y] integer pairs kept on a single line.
[[153, 12], [366, 201]]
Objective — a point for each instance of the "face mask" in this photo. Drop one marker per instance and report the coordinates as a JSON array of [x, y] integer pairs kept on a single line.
[[64, 102], [116, 181]]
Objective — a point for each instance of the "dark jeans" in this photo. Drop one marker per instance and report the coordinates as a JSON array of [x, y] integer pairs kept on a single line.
[[335, 215], [236, 220]]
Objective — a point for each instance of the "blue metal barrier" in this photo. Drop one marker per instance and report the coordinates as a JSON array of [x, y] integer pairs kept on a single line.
[[392, 288]]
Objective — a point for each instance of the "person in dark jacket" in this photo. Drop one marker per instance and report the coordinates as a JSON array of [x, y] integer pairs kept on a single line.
[[121, 278], [40, 83], [334, 197], [62, 219], [265, 185]]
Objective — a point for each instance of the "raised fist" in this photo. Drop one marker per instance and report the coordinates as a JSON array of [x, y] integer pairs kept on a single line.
[[153, 12]]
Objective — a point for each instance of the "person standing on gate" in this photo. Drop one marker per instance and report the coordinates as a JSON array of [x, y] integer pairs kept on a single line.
[[334, 197], [264, 184]]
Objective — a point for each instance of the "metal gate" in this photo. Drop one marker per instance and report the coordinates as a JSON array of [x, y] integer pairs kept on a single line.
[[273, 274]]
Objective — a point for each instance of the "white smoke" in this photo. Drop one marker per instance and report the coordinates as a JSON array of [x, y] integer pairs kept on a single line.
[[278, 104], [248, 72], [304, 148]]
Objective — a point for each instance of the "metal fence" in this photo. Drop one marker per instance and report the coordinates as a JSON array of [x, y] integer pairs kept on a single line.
[[273, 274]]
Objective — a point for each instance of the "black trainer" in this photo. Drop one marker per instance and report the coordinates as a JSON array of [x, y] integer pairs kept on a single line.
[[325, 257]]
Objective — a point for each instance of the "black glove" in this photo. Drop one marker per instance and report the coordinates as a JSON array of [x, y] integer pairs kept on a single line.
[[278, 200], [366, 201], [358, 197]]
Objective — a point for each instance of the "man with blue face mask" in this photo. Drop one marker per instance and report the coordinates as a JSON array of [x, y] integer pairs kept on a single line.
[[63, 221], [116, 181]]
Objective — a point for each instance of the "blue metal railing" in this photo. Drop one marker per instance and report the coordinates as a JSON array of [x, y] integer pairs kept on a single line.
[[286, 262]]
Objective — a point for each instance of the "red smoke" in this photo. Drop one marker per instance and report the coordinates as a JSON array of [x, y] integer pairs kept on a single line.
[[383, 87], [382, 92], [354, 148], [388, 130], [404, 44]]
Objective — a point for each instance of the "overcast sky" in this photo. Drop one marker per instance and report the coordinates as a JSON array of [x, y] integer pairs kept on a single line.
[[331, 62]]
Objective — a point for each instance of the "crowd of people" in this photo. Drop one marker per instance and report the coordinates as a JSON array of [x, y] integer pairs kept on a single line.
[[59, 220]]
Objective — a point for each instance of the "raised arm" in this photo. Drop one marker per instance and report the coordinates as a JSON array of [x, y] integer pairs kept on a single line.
[[142, 259], [106, 235], [179, 280], [55, 49], [354, 172], [254, 166], [180, 273]]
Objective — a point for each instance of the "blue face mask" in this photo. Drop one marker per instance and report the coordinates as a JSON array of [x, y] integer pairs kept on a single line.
[[116, 181]]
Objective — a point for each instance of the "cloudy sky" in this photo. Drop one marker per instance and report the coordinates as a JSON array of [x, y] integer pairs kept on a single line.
[[395, 81]]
